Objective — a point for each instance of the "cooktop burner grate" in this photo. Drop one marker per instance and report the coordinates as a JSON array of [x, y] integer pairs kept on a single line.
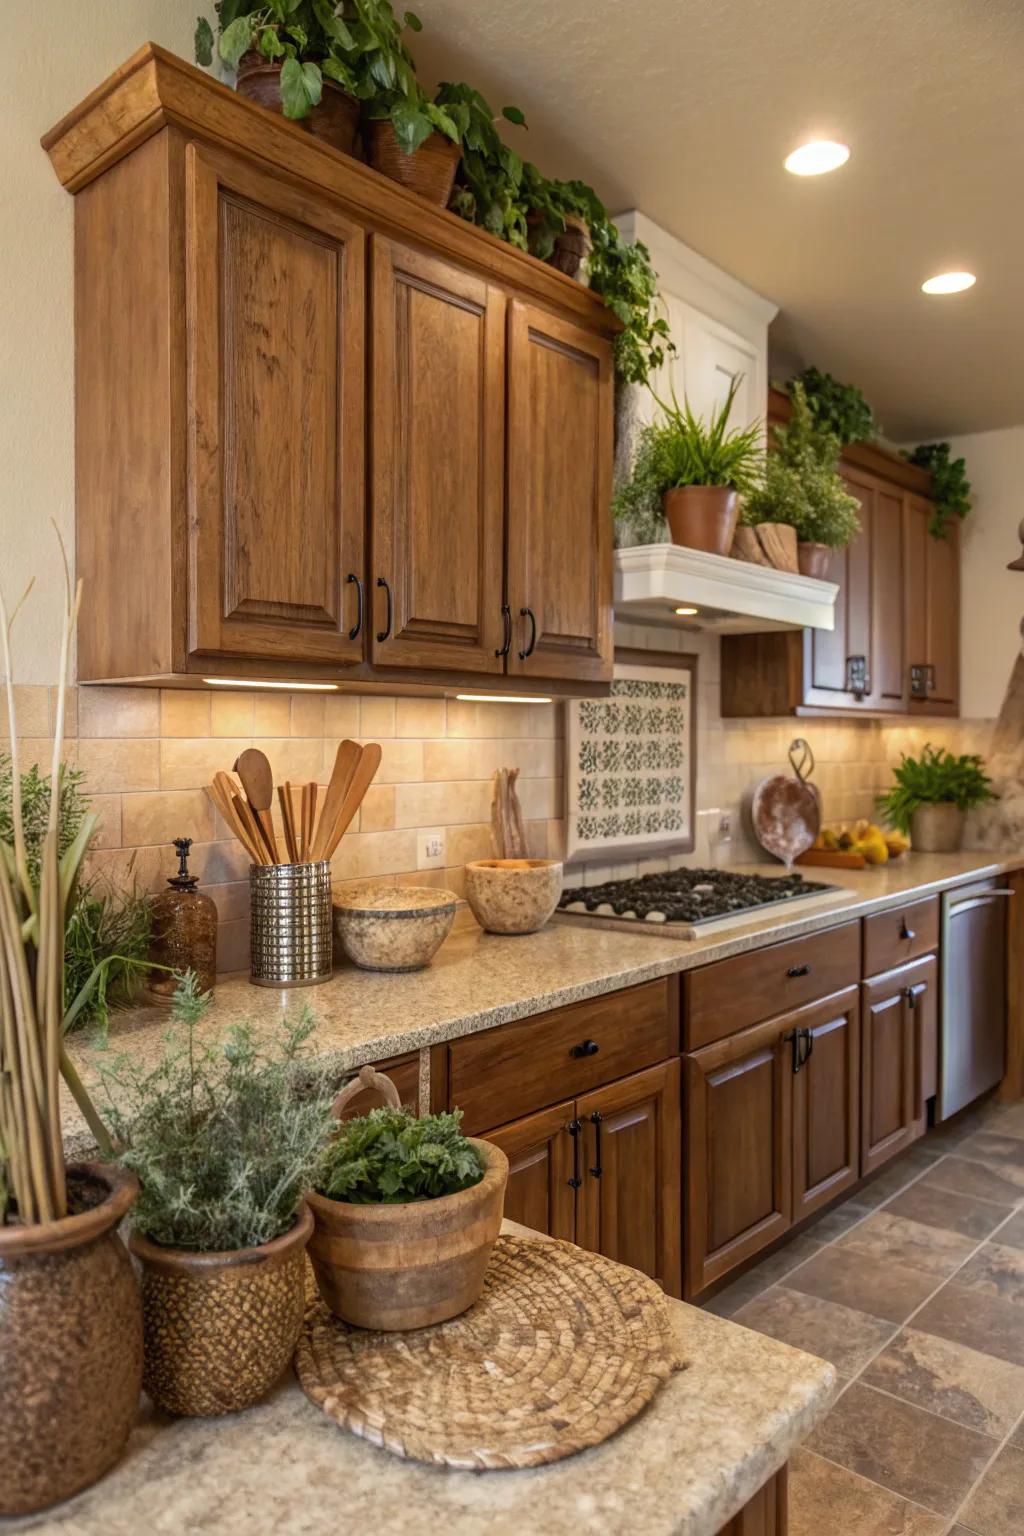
[[692, 896]]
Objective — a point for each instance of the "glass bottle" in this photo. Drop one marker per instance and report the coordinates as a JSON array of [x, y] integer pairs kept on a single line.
[[184, 930]]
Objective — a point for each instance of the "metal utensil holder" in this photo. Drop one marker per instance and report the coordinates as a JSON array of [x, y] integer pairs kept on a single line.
[[290, 924]]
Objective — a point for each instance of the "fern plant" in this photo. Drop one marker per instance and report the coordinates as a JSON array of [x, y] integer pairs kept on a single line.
[[799, 484], [392, 1157], [935, 777]]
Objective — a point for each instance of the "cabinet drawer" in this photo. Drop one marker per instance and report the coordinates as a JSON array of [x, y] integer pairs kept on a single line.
[[732, 994], [901, 933], [517, 1069]]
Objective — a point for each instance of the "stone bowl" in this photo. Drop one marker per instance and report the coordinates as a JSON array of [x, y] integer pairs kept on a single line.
[[394, 927], [513, 895]]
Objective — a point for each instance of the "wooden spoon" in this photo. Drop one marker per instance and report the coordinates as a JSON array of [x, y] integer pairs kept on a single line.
[[369, 762], [284, 795], [346, 761], [223, 800], [253, 768], [255, 843]]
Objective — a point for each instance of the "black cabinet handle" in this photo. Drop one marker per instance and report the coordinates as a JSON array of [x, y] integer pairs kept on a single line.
[[793, 1041], [353, 633], [799, 970], [574, 1127], [857, 681], [528, 613], [801, 1043], [595, 1121], [385, 633], [918, 680], [913, 993], [585, 1048], [506, 614], [808, 1048], [905, 932]]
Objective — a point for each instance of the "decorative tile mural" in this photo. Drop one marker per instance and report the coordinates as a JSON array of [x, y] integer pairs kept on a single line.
[[629, 769]]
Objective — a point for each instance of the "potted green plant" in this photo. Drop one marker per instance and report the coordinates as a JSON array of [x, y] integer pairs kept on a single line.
[[836, 408], [931, 795], [222, 1141], [70, 1319], [798, 505], [693, 471], [407, 1211], [296, 57]]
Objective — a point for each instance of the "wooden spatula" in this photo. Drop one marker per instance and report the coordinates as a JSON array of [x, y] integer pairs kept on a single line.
[[346, 761], [223, 799], [253, 768], [369, 762], [284, 795]]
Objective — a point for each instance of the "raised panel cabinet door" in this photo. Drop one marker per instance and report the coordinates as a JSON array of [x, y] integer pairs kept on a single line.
[[437, 457], [888, 669], [274, 325], [559, 585], [737, 1151], [838, 661], [544, 1159], [825, 1061], [630, 1200], [932, 611], [897, 1010]]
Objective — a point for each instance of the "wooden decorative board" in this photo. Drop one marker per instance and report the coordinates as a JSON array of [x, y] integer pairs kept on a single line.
[[563, 1349]]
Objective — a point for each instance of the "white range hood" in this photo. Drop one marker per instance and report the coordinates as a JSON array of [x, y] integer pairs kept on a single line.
[[731, 596]]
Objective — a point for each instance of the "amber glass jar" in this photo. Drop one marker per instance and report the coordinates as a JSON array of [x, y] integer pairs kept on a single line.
[[184, 930]]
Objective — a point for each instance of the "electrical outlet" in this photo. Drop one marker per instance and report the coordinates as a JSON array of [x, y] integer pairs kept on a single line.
[[430, 849], [725, 827]]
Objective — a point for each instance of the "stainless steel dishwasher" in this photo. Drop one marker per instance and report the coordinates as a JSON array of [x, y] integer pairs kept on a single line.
[[973, 1029]]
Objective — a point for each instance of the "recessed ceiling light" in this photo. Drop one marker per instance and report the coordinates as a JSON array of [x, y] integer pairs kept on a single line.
[[817, 157], [949, 282], [686, 613]]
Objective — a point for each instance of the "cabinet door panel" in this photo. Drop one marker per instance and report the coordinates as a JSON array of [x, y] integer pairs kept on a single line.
[[932, 610], [539, 1149], [629, 1201], [827, 653], [898, 1016], [438, 459], [888, 671], [559, 492], [738, 1151], [826, 1103], [275, 416]]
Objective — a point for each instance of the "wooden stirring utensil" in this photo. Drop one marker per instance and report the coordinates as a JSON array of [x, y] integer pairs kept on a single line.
[[369, 762], [253, 768], [346, 760], [284, 796], [223, 792]]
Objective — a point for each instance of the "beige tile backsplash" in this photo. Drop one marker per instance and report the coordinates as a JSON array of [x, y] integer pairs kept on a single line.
[[149, 754]]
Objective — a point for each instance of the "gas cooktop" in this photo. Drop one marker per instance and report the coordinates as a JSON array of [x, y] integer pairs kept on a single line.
[[689, 901]]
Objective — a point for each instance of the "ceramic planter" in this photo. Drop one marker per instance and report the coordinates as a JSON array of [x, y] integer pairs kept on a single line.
[[936, 828], [406, 1266], [814, 559], [335, 119], [70, 1344], [702, 517], [428, 171], [220, 1327], [395, 927], [513, 895]]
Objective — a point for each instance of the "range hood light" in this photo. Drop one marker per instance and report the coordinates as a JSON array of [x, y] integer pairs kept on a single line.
[[250, 682]]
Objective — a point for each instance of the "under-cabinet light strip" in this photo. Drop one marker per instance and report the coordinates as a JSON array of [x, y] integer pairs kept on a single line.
[[503, 698], [251, 682]]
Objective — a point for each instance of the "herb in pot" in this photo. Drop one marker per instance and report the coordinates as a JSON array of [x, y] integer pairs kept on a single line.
[[391, 1157], [799, 484], [936, 777]]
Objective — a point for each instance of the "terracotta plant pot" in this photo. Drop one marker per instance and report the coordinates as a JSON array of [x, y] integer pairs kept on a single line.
[[429, 170], [702, 517], [814, 559], [513, 895], [220, 1327], [335, 120], [70, 1344], [936, 828], [406, 1266]]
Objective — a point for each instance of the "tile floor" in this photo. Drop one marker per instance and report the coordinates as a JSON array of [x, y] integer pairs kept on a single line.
[[914, 1289]]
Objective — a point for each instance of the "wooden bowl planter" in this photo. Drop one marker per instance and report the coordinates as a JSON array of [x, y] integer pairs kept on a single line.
[[513, 895], [406, 1266], [702, 517], [428, 171], [335, 120], [70, 1344], [220, 1327]]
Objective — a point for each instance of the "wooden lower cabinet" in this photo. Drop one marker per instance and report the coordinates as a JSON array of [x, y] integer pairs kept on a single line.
[[603, 1171], [900, 1014], [772, 1132], [767, 1514]]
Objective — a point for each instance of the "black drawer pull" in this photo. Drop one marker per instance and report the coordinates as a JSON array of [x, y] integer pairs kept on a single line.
[[905, 932], [574, 1127], [585, 1048], [595, 1121], [506, 618], [385, 633], [528, 613], [799, 970], [353, 633], [913, 993]]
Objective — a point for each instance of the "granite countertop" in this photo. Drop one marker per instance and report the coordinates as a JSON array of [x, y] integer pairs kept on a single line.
[[715, 1433], [478, 980]]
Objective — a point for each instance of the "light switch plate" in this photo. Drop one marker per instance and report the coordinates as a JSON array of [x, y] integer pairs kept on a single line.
[[431, 848]]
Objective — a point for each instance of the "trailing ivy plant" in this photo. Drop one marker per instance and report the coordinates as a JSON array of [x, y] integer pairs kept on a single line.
[[837, 408], [936, 777], [799, 484], [950, 485], [392, 1157]]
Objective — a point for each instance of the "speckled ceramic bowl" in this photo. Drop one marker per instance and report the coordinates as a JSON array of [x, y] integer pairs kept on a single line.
[[394, 927], [513, 895]]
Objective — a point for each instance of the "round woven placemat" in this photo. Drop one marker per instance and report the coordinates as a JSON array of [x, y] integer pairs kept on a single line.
[[562, 1349]]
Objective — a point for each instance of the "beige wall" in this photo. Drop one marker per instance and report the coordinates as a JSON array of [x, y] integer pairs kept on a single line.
[[56, 54]]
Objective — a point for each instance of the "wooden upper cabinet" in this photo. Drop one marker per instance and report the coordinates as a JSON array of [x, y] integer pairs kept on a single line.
[[437, 448], [932, 611], [274, 303], [560, 405]]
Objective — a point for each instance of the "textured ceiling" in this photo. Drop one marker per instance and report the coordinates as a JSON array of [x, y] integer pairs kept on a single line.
[[686, 109]]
